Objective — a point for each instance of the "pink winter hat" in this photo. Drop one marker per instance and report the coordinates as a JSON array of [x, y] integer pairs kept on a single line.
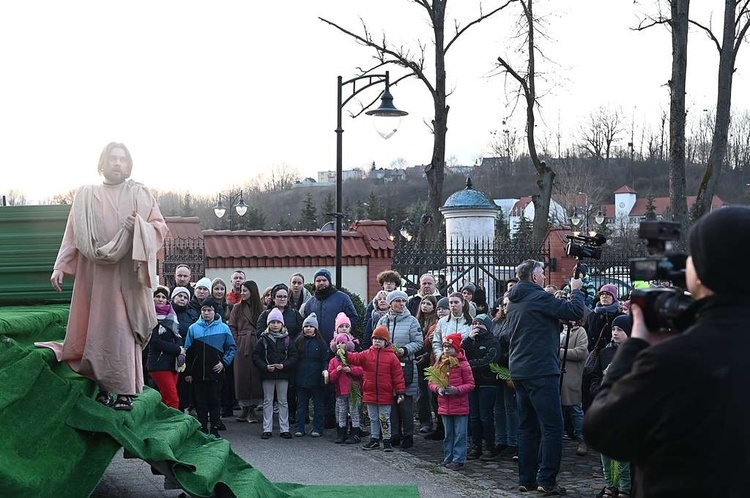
[[342, 339], [610, 289], [275, 316], [341, 318]]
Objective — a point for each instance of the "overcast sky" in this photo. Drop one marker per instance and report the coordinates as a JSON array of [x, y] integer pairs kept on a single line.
[[211, 94]]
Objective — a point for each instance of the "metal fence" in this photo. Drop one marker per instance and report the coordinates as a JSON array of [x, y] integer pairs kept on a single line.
[[185, 251], [477, 261]]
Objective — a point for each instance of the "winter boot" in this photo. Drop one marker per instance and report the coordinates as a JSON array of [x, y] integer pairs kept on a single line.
[[242, 417], [372, 445], [475, 452], [387, 445], [354, 436], [342, 436]]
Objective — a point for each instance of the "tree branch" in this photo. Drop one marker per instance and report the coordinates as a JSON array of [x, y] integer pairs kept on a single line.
[[708, 32], [479, 19], [399, 58]]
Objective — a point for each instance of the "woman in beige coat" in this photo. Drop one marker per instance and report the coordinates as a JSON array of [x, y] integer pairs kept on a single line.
[[571, 395]]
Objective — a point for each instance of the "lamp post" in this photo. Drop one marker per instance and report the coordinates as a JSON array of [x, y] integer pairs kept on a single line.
[[386, 124], [233, 199]]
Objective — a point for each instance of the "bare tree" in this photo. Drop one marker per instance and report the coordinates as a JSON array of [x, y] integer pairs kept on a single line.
[[15, 198], [281, 177], [738, 152], [677, 21], [600, 131], [526, 80], [414, 64], [735, 27], [66, 198]]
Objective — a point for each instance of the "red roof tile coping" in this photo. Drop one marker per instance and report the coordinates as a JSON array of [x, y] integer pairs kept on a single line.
[[625, 190]]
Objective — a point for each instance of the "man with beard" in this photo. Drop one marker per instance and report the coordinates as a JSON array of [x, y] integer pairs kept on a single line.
[[235, 295], [113, 233], [326, 303]]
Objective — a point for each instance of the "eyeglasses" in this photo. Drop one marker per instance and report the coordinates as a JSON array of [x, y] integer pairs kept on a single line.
[[281, 297]]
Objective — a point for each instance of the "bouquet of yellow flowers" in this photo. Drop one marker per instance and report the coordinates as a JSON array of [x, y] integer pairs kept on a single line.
[[440, 372]]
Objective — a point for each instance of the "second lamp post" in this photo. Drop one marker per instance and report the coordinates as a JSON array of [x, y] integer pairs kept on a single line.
[[240, 207]]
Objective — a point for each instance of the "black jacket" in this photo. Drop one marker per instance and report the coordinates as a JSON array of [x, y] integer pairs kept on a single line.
[[679, 410], [269, 351], [534, 323], [312, 358], [480, 352], [600, 324], [163, 348]]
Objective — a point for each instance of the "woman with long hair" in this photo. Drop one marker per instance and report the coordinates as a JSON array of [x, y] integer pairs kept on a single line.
[[243, 323], [458, 321], [427, 318]]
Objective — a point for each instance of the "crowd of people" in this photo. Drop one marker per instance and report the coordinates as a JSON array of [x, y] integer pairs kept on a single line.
[[511, 381]]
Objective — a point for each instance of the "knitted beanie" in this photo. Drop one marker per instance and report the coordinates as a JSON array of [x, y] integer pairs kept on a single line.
[[396, 294], [624, 322], [381, 332], [311, 320], [718, 243], [204, 282], [275, 316], [454, 340], [323, 272], [341, 318], [180, 290]]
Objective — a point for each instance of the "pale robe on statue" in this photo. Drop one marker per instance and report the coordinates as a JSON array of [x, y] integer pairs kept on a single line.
[[112, 310]]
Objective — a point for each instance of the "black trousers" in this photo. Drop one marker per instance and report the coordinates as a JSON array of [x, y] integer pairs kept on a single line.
[[208, 402]]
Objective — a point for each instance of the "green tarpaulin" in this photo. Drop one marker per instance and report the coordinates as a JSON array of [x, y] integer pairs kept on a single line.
[[58, 441]]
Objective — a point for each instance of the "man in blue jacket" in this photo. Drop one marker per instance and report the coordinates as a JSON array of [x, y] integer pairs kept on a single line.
[[327, 302], [533, 320]]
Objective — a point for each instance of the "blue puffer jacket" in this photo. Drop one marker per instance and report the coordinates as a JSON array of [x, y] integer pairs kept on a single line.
[[405, 332], [206, 345], [534, 324], [326, 305]]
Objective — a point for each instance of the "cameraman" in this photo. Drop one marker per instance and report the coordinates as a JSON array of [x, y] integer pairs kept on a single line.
[[678, 408]]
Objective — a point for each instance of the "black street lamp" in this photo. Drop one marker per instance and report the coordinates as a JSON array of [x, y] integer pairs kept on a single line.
[[386, 124], [233, 199]]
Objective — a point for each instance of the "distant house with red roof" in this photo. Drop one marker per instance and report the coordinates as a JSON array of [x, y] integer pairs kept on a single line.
[[629, 210], [514, 209]]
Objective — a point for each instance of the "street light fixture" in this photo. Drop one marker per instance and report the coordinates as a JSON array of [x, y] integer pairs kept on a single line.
[[599, 217], [575, 219], [233, 199], [386, 119]]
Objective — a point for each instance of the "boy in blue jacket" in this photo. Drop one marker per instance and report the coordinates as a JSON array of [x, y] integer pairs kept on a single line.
[[210, 348]]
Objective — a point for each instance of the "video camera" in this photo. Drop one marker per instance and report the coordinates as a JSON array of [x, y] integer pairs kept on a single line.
[[662, 307], [584, 246]]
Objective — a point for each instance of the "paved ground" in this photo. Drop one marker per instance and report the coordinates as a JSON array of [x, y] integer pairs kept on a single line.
[[318, 461]]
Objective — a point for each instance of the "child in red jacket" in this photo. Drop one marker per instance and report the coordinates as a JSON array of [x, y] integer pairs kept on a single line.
[[453, 400], [383, 378]]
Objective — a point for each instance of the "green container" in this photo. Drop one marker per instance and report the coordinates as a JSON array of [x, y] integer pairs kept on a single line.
[[30, 237]]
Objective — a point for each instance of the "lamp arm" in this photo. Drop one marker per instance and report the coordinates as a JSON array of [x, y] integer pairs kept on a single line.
[[372, 80]]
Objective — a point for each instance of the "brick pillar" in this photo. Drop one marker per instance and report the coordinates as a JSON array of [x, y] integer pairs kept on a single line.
[[563, 263], [380, 247]]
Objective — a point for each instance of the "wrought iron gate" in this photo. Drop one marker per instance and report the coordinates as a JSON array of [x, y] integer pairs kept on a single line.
[[478, 261]]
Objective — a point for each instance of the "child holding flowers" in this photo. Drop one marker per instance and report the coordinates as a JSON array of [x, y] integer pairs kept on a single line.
[[346, 380], [452, 380]]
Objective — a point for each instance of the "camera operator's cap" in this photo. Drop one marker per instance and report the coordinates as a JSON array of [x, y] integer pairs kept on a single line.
[[718, 244], [610, 289]]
